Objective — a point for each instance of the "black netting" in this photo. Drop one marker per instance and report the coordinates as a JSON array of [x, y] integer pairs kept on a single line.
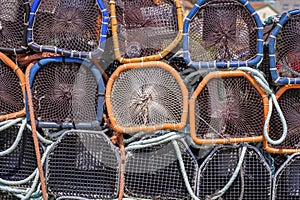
[[83, 164], [154, 172], [252, 183]]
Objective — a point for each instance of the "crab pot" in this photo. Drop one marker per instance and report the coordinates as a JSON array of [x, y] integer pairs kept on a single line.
[[286, 184], [21, 162], [284, 51], [14, 16], [222, 34], [146, 97], [73, 28], [12, 89], [154, 172], [252, 182], [83, 164], [145, 30], [288, 98], [227, 107], [66, 92]]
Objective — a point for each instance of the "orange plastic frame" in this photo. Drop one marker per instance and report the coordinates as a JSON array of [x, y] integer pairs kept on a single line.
[[149, 129], [21, 76], [221, 74], [270, 149], [163, 53]]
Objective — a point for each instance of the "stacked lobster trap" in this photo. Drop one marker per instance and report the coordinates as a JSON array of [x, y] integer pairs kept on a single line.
[[154, 124]]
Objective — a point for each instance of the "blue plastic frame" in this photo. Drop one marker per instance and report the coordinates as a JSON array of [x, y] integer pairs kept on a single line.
[[101, 91], [214, 64], [272, 50], [68, 52]]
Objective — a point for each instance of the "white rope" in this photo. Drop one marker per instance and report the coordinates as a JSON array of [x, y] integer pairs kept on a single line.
[[272, 100]]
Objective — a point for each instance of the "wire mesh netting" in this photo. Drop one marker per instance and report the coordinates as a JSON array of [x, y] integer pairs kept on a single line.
[[12, 31], [287, 183], [73, 25], [149, 96], [154, 172], [83, 164], [11, 93], [289, 102], [146, 27], [222, 30], [227, 108], [65, 92], [7, 196], [21, 162], [253, 181], [287, 48]]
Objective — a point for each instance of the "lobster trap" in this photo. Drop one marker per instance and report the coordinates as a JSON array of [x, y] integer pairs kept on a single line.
[[74, 28], [284, 50], [154, 172], [288, 98], [145, 30], [83, 164], [146, 97], [222, 34], [13, 26], [286, 185], [12, 89], [7, 196], [17, 157], [227, 107], [66, 93], [253, 180]]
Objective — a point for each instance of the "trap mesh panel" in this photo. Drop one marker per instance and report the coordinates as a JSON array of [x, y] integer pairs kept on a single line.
[[147, 29], [83, 164], [146, 97], [227, 107], [75, 28], [21, 162], [13, 19], [252, 183], [284, 50], [289, 102], [7, 196], [154, 172], [11, 89], [286, 182], [66, 92], [227, 32]]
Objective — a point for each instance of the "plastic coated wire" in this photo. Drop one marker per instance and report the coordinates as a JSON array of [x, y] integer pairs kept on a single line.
[[272, 100], [234, 175], [10, 123], [16, 142], [183, 171]]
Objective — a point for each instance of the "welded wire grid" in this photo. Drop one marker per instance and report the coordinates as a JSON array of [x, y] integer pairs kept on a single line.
[[286, 184], [75, 28], [83, 164], [289, 102], [21, 162], [154, 172], [222, 33], [227, 107], [145, 30], [11, 90], [64, 93], [13, 17], [146, 96], [284, 50], [253, 181]]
